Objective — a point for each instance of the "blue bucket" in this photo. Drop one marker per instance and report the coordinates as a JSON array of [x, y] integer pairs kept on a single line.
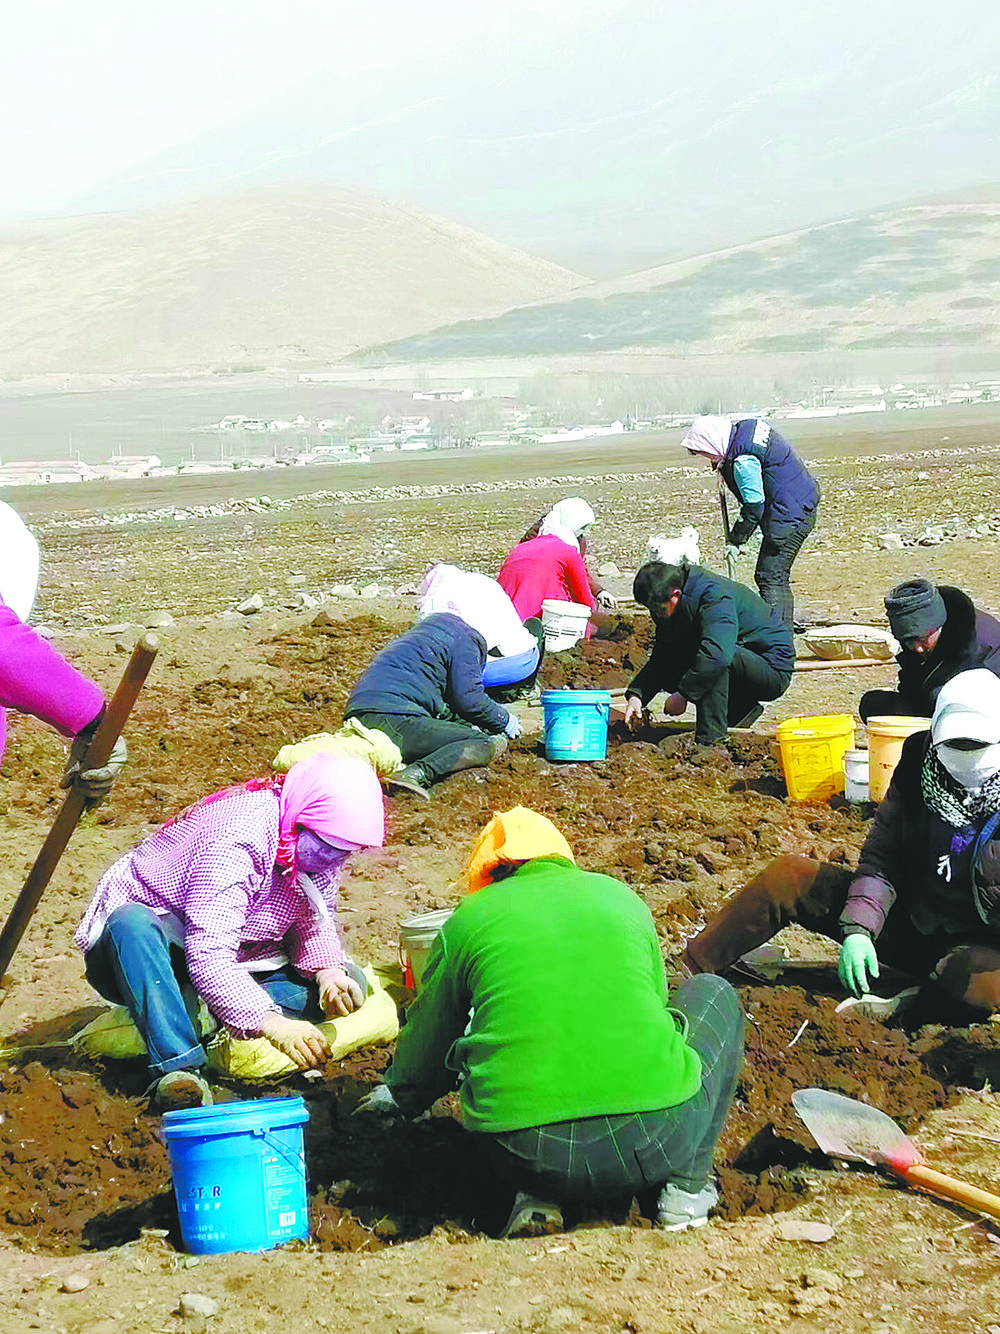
[[239, 1174], [576, 724]]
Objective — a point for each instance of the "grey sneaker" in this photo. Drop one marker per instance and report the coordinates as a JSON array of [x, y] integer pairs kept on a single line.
[[178, 1090], [532, 1218], [411, 779], [677, 1209]]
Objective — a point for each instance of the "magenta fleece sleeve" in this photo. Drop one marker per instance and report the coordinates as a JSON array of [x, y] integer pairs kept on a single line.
[[35, 679]]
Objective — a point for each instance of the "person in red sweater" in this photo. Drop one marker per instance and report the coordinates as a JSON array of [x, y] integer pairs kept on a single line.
[[551, 565]]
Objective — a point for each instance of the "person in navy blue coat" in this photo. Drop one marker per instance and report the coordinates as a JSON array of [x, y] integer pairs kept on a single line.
[[425, 692], [718, 645], [776, 492]]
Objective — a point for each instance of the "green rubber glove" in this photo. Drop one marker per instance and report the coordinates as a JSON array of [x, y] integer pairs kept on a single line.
[[858, 963]]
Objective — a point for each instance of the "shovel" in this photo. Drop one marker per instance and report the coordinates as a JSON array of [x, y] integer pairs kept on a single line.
[[724, 507], [73, 807], [845, 1128]]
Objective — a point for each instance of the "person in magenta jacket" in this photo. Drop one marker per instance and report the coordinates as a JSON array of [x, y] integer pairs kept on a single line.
[[550, 565], [35, 679]]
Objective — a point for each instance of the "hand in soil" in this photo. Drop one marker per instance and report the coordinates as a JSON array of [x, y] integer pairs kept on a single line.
[[301, 1042]]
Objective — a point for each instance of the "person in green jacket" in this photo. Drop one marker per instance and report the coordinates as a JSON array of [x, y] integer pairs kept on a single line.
[[544, 1002]]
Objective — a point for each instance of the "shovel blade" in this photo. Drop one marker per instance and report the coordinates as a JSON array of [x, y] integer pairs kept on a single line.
[[845, 1128]]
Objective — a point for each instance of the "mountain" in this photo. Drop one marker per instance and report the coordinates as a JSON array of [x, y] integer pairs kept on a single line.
[[649, 130], [259, 278], [921, 277]]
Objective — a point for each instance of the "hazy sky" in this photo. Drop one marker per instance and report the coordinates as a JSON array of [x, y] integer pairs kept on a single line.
[[91, 87]]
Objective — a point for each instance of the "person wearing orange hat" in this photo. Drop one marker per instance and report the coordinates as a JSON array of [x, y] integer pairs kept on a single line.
[[575, 1099]]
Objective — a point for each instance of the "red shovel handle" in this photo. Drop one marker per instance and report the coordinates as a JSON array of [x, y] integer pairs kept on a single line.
[[66, 821]]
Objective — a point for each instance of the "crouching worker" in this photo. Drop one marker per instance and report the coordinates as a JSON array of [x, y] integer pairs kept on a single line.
[[926, 895], [233, 900], [425, 692], [718, 646], [575, 1094]]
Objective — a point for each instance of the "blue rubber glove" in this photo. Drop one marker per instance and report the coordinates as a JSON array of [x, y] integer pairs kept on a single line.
[[858, 963], [512, 727]]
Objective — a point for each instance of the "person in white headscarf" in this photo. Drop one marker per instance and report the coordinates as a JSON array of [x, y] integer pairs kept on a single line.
[[551, 565], [514, 649], [925, 898], [776, 492], [570, 520]]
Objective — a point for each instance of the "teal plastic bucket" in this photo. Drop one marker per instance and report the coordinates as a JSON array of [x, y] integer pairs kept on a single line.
[[576, 724], [239, 1174]]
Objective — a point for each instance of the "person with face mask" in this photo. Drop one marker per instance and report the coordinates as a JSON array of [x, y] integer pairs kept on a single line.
[[233, 900], [718, 646], [925, 898], [776, 491], [940, 633]]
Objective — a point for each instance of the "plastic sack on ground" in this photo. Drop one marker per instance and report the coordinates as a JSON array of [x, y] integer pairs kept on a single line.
[[254, 1058], [113, 1034], [352, 739], [851, 641]]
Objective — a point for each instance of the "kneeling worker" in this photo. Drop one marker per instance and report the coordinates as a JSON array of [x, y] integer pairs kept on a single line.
[[573, 1097], [718, 645], [926, 895], [941, 633]]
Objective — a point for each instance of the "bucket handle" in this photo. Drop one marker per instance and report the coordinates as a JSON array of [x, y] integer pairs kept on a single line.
[[296, 1160]]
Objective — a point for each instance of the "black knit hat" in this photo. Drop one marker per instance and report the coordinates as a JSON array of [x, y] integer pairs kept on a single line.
[[915, 609]]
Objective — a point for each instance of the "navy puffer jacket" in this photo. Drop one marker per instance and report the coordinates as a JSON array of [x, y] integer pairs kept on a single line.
[[791, 493]]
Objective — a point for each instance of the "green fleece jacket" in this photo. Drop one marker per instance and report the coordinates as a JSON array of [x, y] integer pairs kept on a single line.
[[544, 999]]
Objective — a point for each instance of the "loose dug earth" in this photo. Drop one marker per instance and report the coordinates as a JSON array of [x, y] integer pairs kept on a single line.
[[401, 1215]]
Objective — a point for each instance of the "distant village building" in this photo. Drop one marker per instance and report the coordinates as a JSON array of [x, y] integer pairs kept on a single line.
[[134, 465], [39, 473], [445, 395]]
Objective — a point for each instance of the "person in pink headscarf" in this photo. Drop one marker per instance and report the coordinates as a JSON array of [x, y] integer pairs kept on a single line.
[[233, 900]]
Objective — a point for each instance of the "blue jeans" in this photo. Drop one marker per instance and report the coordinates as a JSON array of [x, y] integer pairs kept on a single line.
[[134, 963]]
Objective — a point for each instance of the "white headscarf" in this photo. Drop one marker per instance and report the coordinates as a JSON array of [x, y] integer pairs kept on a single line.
[[480, 602], [968, 709], [18, 563], [567, 520], [709, 436]]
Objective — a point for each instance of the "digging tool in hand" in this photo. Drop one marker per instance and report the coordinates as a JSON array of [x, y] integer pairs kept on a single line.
[[73, 807], [845, 1128], [724, 507]]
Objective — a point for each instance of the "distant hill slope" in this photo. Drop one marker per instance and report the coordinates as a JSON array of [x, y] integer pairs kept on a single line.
[[918, 277], [638, 128], [271, 276]]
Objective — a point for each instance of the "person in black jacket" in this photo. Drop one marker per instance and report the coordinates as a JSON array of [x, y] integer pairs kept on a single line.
[[941, 633], [926, 895], [718, 645], [425, 691]]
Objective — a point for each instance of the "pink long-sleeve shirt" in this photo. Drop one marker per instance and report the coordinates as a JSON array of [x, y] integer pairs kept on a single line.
[[35, 679], [545, 567], [213, 874]]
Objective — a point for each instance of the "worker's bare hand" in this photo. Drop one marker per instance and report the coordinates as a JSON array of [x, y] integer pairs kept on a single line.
[[674, 705], [301, 1041], [338, 992], [633, 712]]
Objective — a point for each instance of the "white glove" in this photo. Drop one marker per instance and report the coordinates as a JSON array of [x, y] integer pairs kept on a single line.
[[95, 784], [512, 728], [300, 1041], [339, 994], [733, 552], [607, 600], [378, 1099]]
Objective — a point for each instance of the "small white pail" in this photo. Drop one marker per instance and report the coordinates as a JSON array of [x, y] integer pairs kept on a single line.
[[856, 775], [416, 936], [564, 623]]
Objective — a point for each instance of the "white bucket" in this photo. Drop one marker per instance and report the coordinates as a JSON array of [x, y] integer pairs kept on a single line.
[[855, 775], [564, 623], [416, 936]]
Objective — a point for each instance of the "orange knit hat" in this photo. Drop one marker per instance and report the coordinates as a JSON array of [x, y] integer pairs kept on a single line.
[[513, 836]]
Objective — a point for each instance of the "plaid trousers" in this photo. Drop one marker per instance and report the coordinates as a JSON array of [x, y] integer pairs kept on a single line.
[[638, 1151]]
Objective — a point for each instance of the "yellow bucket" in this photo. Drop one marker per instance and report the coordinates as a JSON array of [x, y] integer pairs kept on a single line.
[[812, 754], [886, 735]]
